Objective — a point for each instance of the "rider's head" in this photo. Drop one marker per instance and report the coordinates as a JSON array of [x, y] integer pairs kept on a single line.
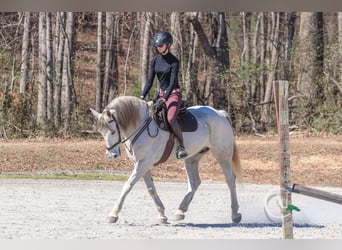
[[162, 41]]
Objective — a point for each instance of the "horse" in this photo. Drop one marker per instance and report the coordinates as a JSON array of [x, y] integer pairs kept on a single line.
[[128, 120]]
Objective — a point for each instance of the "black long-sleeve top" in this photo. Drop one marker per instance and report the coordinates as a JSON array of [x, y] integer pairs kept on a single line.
[[166, 67]]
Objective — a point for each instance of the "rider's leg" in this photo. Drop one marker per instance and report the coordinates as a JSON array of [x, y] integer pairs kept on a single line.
[[173, 104]]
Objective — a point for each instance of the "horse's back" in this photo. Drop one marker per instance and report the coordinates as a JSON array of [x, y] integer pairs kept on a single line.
[[209, 114], [216, 121]]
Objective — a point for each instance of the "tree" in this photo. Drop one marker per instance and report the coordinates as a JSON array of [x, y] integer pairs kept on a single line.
[[25, 54], [273, 50], [67, 77], [145, 30], [311, 53], [59, 52], [42, 84], [111, 59], [49, 69], [218, 56], [339, 23], [99, 63]]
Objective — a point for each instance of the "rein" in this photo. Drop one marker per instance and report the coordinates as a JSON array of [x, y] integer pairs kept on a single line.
[[137, 133]]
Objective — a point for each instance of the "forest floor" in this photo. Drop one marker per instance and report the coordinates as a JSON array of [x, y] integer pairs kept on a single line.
[[315, 160]]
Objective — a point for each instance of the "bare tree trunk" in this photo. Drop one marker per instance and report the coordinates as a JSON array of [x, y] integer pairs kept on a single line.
[[262, 58], [245, 54], [67, 84], [175, 29], [114, 86], [292, 16], [25, 56], [254, 59], [272, 62], [177, 48], [339, 18], [190, 78], [311, 54], [60, 40], [109, 55], [99, 63], [41, 104], [144, 45], [126, 61], [306, 55], [49, 67]]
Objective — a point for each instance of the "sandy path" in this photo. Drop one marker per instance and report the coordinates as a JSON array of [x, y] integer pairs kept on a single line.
[[70, 209]]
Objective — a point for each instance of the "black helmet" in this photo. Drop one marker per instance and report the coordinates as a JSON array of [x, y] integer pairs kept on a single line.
[[161, 38]]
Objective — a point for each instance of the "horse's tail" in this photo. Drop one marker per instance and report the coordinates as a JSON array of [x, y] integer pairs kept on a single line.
[[237, 169]]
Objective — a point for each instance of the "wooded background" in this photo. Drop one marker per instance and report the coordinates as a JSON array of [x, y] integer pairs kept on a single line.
[[55, 65]]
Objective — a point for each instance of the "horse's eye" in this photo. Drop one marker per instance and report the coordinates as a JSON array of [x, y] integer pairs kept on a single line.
[[112, 132]]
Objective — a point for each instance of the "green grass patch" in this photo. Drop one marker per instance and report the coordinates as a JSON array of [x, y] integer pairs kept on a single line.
[[64, 176]]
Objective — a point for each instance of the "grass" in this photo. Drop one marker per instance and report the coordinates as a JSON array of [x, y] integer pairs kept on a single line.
[[64, 176]]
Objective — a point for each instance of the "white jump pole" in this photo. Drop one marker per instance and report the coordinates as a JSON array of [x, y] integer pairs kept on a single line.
[[280, 90]]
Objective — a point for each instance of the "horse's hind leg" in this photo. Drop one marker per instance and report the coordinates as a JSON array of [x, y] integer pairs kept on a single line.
[[153, 192], [226, 165], [191, 166]]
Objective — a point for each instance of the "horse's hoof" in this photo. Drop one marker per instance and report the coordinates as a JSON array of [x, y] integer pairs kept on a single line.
[[113, 219], [162, 220], [179, 217], [237, 218]]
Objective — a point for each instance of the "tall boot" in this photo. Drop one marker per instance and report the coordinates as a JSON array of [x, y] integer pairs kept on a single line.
[[177, 130]]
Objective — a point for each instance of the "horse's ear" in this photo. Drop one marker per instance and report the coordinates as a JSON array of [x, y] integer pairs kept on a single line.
[[108, 113], [93, 115]]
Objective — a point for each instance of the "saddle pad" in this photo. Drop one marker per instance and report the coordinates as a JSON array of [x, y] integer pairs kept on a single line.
[[186, 119]]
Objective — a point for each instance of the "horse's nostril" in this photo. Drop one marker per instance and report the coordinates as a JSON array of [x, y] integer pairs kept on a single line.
[[111, 155]]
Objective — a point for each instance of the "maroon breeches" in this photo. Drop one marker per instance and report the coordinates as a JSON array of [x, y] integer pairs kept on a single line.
[[173, 104]]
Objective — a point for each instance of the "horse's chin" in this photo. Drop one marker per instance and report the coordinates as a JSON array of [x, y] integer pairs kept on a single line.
[[112, 155]]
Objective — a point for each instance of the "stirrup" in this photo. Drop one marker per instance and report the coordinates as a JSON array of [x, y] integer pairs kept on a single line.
[[181, 153]]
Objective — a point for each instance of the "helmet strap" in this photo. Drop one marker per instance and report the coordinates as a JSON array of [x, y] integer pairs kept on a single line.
[[166, 50]]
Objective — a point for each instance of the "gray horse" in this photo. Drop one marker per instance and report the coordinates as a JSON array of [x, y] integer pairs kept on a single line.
[[128, 120]]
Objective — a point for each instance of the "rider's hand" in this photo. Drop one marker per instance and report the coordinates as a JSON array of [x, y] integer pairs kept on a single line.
[[159, 104]]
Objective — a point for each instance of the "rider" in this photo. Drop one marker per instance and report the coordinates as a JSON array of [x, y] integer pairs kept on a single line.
[[166, 66]]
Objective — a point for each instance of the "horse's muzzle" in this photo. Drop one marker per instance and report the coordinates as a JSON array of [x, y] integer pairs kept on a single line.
[[113, 155]]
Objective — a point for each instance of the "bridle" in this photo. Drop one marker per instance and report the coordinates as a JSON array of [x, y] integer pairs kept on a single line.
[[119, 133], [137, 133]]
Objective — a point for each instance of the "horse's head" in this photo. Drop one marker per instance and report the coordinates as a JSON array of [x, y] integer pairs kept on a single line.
[[107, 125]]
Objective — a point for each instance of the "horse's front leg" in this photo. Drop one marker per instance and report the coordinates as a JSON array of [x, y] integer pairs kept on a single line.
[[138, 172], [162, 219]]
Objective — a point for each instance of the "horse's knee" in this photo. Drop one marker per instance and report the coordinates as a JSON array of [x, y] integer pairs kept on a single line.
[[196, 184]]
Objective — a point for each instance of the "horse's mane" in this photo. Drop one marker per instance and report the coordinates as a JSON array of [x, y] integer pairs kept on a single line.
[[126, 110]]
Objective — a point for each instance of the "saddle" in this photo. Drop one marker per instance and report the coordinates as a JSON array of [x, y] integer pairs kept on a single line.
[[185, 118]]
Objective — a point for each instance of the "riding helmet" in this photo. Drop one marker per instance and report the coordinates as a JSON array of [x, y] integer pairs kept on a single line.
[[161, 38]]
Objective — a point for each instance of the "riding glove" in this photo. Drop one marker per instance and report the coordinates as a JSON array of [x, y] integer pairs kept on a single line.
[[159, 104]]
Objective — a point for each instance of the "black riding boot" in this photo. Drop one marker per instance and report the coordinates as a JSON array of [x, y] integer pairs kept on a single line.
[[177, 130]]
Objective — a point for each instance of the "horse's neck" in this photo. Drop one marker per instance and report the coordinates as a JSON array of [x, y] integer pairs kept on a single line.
[[133, 128]]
